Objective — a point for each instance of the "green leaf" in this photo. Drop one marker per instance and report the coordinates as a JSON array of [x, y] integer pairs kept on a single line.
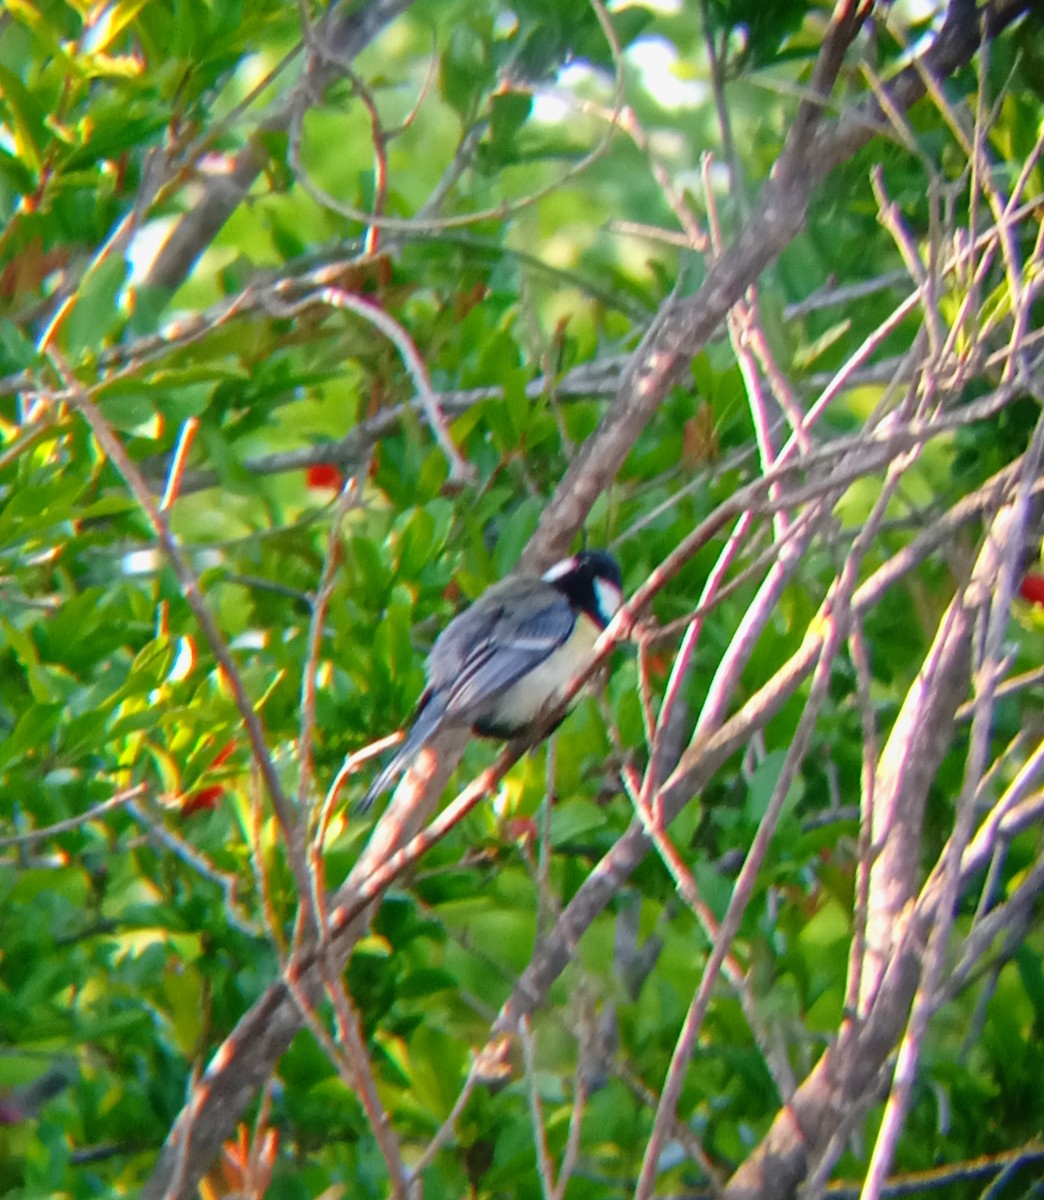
[[464, 70], [509, 111], [95, 313], [437, 1062], [763, 783], [150, 667], [416, 543], [17, 350], [36, 675], [425, 983], [129, 410], [1031, 972], [573, 821], [28, 117], [32, 735]]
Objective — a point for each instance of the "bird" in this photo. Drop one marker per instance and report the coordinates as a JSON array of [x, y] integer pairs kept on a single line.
[[498, 664]]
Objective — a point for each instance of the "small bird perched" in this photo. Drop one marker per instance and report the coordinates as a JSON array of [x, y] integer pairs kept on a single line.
[[497, 664]]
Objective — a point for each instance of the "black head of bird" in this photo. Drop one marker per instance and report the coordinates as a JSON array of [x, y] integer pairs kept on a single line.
[[498, 664]]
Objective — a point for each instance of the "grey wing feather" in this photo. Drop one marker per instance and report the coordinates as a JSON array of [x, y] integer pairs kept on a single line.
[[476, 658], [480, 654], [424, 727]]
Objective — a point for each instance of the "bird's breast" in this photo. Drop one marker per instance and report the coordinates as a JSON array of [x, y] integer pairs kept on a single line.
[[515, 710]]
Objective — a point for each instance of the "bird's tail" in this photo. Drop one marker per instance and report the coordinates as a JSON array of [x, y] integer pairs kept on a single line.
[[425, 725]]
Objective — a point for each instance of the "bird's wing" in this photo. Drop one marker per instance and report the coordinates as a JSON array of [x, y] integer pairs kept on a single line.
[[477, 657], [487, 649]]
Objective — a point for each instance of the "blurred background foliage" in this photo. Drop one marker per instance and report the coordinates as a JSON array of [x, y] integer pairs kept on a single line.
[[130, 943]]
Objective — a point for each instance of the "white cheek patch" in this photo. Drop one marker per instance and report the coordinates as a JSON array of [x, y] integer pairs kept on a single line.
[[609, 598]]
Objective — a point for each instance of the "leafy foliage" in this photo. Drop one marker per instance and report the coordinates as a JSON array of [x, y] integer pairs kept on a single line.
[[147, 894]]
